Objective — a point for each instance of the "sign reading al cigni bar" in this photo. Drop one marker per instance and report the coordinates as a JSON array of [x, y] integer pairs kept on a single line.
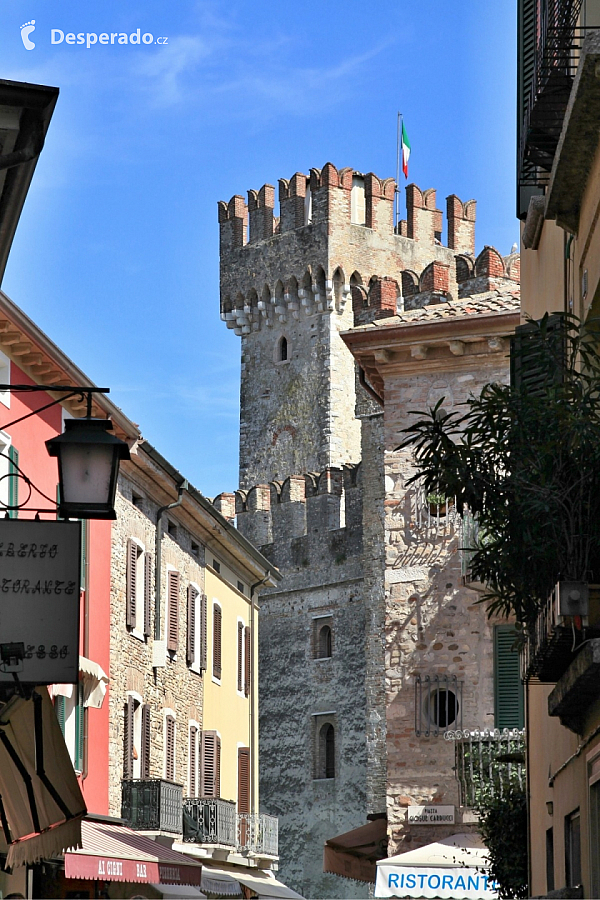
[[39, 600]]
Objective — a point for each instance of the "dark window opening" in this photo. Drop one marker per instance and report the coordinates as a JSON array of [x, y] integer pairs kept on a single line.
[[283, 349], [573, 849], [326, 749], [325, 646], [172, 529], [216, 566], [549, 860], [241, 587], [438, 704]]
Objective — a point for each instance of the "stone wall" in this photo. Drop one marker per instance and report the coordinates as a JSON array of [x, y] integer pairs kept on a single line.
[[314, 529], [434, 623], [173, 686]]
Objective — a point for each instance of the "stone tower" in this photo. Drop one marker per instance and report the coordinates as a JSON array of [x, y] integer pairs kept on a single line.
[[286, 289], [312, 491]]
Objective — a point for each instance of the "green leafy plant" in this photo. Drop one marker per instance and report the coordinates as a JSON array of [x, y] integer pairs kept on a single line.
[[503, 827], [526, 463]]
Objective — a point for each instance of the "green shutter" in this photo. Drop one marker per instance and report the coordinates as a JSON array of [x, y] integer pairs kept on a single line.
[[59, 709], [79, 731], [508, 689], [84, 531], [538, 355], [13, 481]]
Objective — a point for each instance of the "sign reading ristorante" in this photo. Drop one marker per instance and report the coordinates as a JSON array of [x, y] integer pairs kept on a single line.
[[39, 599]]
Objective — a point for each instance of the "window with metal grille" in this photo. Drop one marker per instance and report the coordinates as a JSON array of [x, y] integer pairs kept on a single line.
[[438, 704]]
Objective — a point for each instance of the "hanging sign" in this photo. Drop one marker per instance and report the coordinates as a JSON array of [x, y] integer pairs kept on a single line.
[[430, 815], [40, 566]]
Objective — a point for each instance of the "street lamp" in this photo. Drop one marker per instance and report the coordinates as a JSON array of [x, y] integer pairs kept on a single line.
[[88, 466]]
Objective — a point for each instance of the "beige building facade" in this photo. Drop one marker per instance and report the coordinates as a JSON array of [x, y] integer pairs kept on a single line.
[[561, 273]]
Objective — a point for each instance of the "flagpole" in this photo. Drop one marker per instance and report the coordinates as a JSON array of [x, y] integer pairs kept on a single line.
[[397, 170]]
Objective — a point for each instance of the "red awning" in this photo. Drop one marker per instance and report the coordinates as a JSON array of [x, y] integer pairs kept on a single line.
[[115, 853]]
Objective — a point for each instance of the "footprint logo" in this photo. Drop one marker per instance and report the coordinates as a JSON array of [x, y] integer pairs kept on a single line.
[[26, 30]]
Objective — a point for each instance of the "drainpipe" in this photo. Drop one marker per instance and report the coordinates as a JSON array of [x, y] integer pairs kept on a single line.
[[184, 486], [252, 694]]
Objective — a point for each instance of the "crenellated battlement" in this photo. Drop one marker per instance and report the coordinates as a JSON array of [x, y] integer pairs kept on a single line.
[[334, 234], [303, 518], [331, 193]]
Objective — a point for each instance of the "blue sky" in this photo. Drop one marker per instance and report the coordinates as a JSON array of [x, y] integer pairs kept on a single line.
[[116, 254]]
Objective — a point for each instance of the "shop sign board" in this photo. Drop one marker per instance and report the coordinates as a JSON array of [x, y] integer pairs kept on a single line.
[[40, 565], [431, 815]]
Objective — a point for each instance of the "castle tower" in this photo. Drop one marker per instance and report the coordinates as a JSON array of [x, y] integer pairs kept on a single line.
[[288, 287]]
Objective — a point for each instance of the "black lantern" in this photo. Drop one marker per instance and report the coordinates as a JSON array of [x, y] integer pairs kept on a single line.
[[88, 466]]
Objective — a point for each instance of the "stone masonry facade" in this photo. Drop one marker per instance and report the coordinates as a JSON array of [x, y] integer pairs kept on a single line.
[[174, 686], [324, 495]]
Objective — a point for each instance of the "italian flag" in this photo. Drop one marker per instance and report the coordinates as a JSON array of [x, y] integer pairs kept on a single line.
[[405, 151]]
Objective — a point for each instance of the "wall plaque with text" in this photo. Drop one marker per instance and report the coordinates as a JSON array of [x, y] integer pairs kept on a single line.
[[430, 815], [39, 599]]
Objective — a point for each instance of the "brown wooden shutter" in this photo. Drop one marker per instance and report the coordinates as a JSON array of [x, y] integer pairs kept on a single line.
[[218, 768], [191, 625], [209, 764], [193, 755], [170, 748], [244, 780], [216, 641], [173, 611], [247, 658], [147, 594], [240, 657], [203, 631], [132, 553], [145, 761], [128, 741]]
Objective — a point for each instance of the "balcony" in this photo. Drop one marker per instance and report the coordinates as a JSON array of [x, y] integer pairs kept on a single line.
[[556, 57], [577, 689], [553, 640], [152, 805], [487, 760], [257, 834], [210, 822]]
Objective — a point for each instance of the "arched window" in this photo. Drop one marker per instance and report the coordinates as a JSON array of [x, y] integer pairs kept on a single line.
[[283, 350], [327, 751], [324, 642]]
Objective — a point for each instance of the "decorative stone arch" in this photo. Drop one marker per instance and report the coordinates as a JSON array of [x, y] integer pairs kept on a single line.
[[282, 350], [339, 285], [464, 267]]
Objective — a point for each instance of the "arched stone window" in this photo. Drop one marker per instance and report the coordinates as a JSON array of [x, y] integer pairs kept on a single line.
[[325, 645], [282, 350], [327, 751]]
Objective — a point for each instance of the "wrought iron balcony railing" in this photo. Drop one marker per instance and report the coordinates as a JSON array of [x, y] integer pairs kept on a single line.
[[210, 822], [258, 834], [487, 761], [152, 805], [557, 55]]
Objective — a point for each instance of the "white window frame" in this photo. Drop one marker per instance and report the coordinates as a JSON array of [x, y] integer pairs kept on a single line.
[[138, 702], [140, 574], [192, 723], [240, 693], [216, 602], [195, 666], [169, 712], [5, 366], [5, 443]]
